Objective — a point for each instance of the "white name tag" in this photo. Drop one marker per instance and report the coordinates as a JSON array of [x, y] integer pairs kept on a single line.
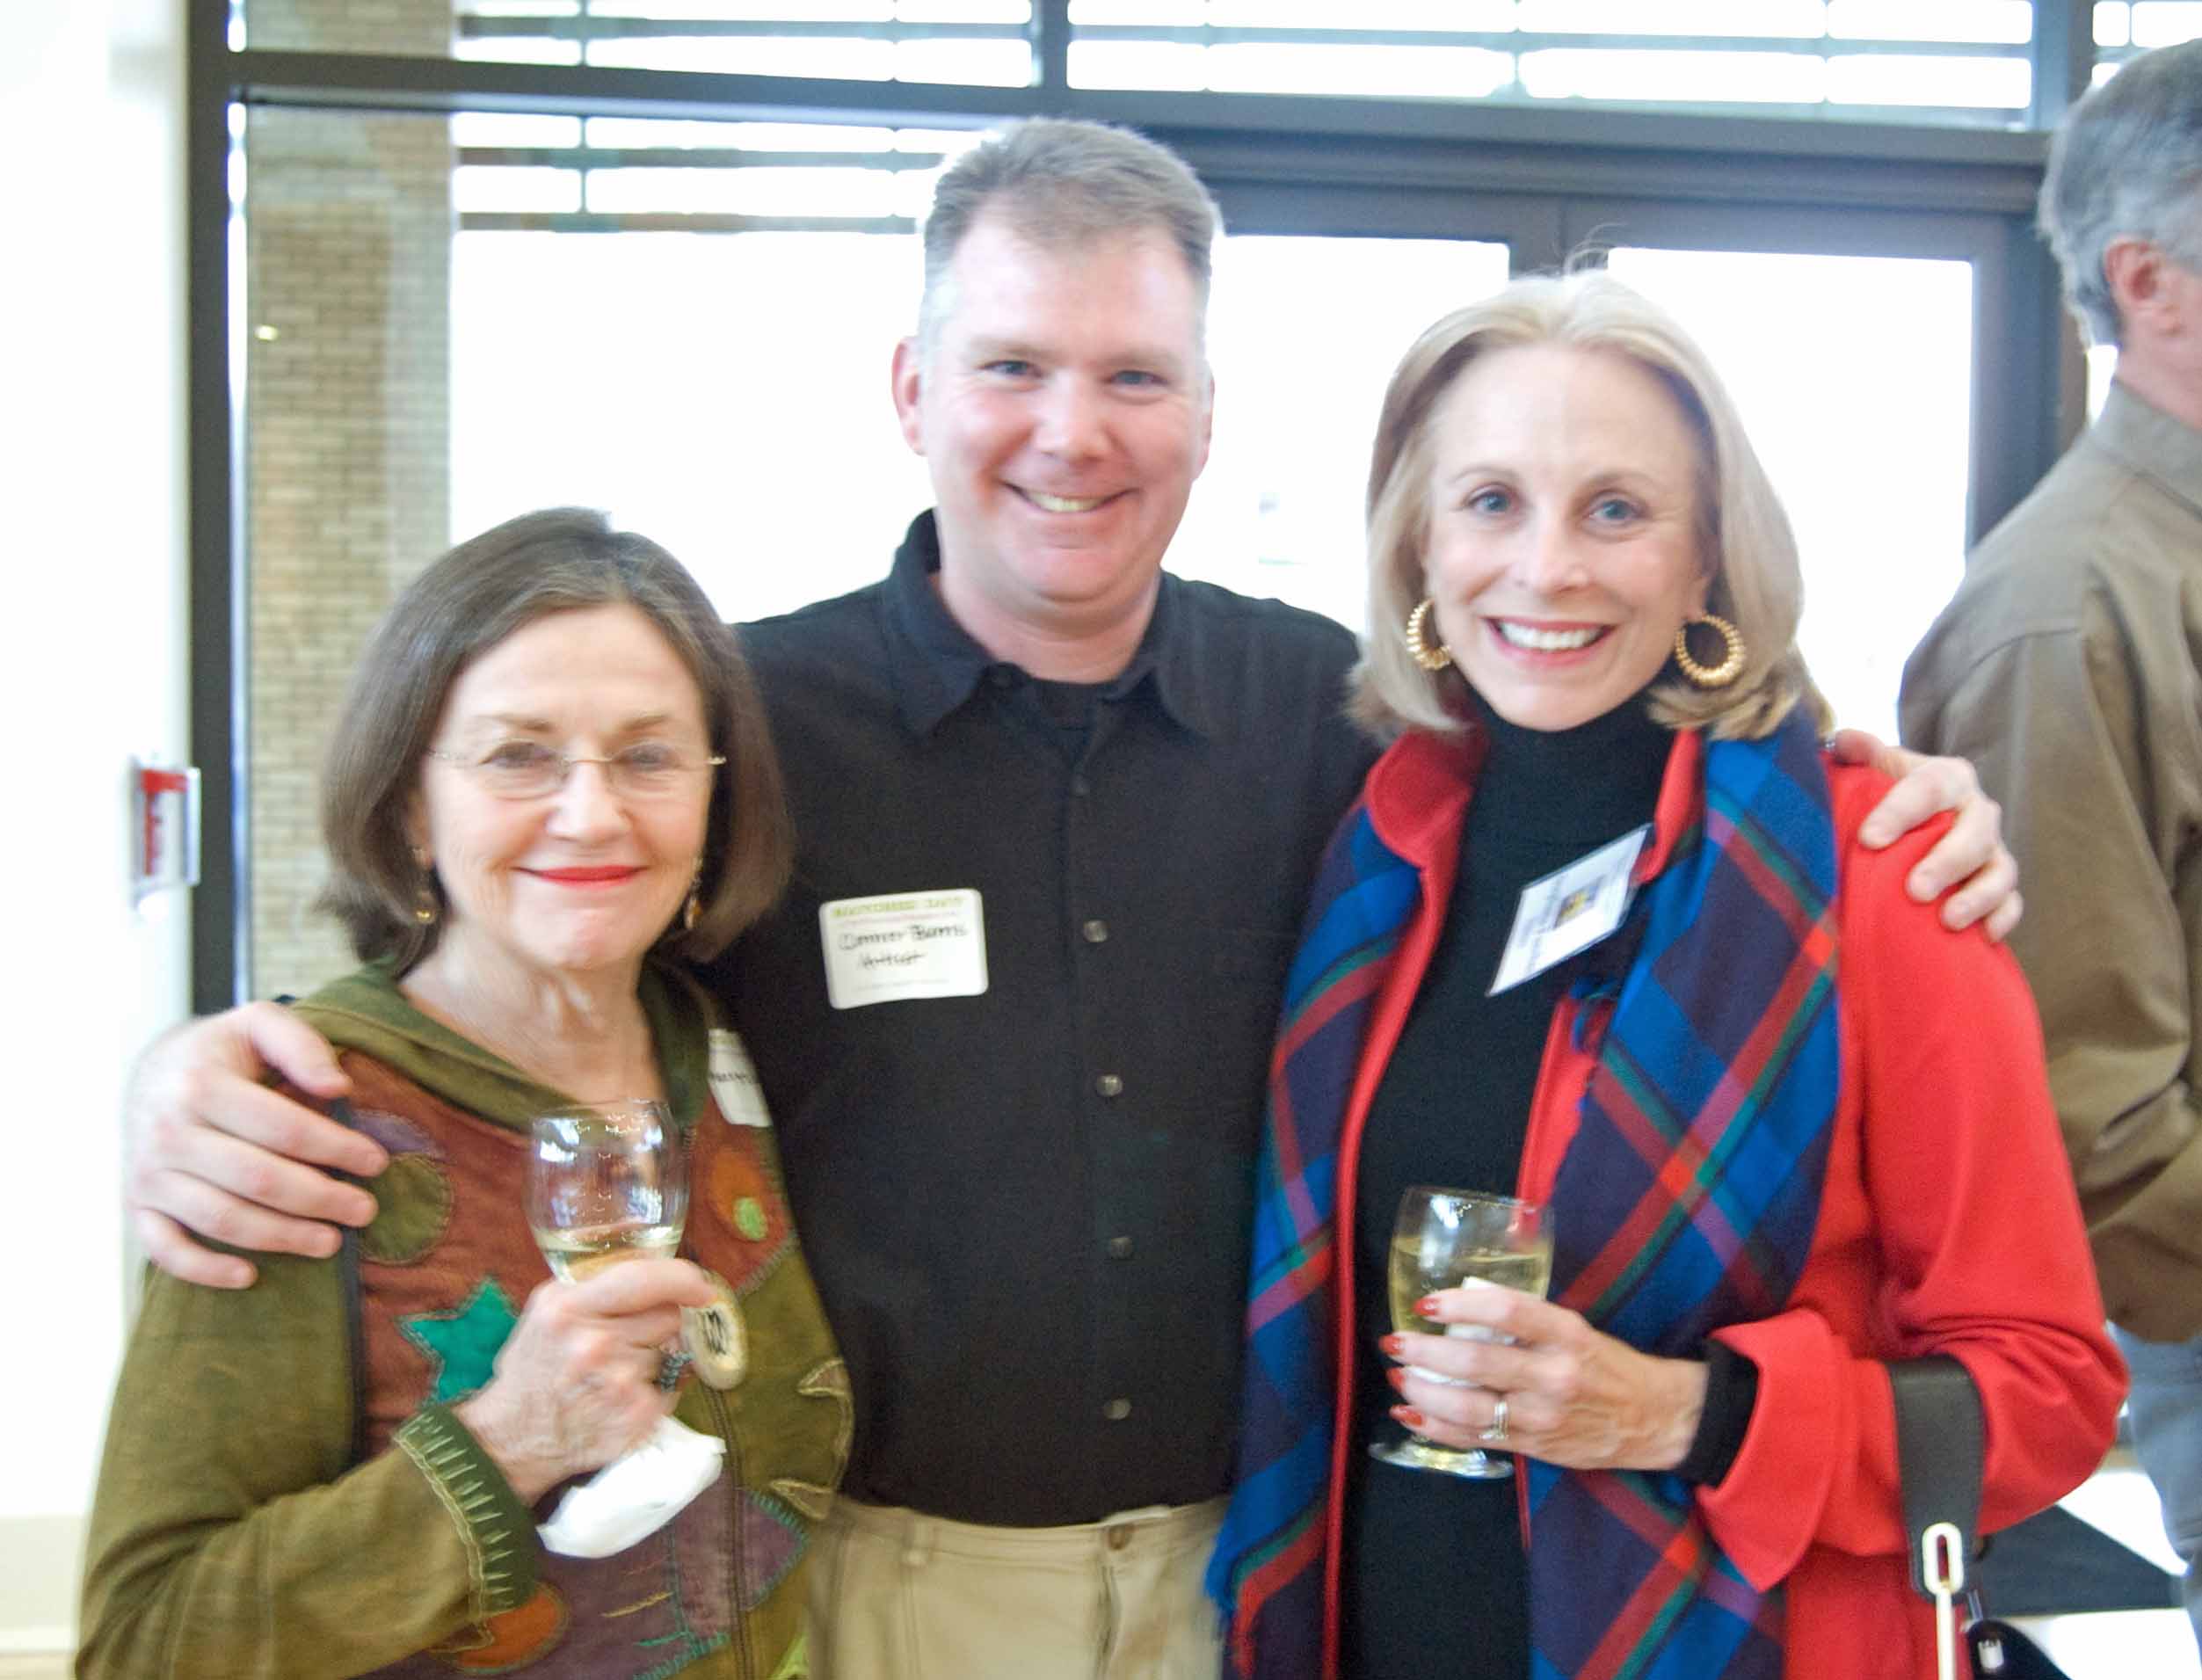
[[904, 945], [734, 1080], [1570, 910]]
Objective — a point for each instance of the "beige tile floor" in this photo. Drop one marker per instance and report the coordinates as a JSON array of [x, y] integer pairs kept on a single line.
[[2121, 1644]]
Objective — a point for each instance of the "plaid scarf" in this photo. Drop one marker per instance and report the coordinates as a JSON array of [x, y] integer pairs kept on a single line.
[[1687, 1200]]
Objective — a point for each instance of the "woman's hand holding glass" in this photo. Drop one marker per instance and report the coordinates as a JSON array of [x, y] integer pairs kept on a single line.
[[1575, 1396], [578, 1383], [575, 1384]]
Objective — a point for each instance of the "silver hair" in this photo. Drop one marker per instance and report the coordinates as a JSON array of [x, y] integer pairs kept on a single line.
[[1062, 184], [2126, 163]]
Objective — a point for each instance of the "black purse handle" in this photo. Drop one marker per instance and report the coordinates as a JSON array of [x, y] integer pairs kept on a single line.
[[1939, 1442], [1938, 1447]]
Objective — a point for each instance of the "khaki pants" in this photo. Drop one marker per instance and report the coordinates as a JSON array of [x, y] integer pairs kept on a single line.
[[899, 1595]]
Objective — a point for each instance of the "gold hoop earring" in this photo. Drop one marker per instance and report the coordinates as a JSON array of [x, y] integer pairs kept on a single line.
[[1714, 676], [1418, 648], [424, 896], [693, 908]]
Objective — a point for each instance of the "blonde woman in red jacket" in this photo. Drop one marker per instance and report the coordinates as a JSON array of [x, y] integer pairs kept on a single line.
[[1788, 1130]]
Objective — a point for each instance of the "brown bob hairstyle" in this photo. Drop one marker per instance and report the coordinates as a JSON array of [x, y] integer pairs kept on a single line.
[[1744, 539], [560, 560]]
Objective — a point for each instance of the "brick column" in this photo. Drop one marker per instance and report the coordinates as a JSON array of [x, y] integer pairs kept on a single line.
[[348, 222]]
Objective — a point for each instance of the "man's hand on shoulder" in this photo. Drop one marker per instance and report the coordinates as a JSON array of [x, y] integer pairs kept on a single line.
[[1970, 857], [216, 1153]]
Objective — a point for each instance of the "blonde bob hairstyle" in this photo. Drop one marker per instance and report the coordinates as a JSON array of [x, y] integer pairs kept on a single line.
[[1743, 534]]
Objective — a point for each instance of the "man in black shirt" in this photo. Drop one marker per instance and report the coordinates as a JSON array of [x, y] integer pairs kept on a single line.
[[1056, 813]]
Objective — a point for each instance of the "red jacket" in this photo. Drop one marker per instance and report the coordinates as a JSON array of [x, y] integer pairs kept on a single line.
[[1948, 1225]]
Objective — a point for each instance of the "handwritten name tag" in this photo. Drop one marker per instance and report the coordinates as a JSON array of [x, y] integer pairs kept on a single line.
[[734, 1085], [900, 945]]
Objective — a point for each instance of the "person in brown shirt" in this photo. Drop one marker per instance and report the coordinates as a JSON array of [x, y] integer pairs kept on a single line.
[[2068, 667]]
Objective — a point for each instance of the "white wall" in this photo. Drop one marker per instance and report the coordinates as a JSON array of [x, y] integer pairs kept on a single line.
[[91, 452]]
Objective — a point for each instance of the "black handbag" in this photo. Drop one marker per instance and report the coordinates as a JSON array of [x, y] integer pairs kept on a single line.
[[1938, 1448]]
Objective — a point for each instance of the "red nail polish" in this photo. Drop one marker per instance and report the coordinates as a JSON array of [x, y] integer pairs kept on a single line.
[[1409, 1415], [1427, 1307], [1390, 1344], [1396, 1379]]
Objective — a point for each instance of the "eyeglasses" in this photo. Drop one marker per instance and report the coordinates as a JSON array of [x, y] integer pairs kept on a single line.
[[530, 770]]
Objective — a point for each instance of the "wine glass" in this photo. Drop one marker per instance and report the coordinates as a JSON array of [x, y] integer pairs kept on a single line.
[[606, 1182], [1443, 1239]]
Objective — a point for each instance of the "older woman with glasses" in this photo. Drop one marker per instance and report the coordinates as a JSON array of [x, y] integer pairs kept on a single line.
[[551, 777]]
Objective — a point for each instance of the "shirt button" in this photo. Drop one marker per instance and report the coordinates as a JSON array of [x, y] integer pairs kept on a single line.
[[1094, 932], [1120, 1248], [1119, 1536], [1110, 1085], [1117, 1410]]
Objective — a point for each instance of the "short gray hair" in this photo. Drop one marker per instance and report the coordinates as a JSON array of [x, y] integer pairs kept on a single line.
[[1750, 553], [1063, 184], [2126, 163]]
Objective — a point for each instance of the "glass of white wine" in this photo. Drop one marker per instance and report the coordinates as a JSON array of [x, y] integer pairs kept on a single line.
[[1444, 1239], [606, 1182]]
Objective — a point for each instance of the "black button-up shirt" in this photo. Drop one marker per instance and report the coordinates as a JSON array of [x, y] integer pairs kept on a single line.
[[1027, 1210]]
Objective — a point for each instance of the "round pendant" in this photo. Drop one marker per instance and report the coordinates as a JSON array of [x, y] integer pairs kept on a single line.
[[716, 1338]]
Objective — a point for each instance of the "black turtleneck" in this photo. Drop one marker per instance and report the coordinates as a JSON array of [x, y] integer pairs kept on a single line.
[[1433, 1563]]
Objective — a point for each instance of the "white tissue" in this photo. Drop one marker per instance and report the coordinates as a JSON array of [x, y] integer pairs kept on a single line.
[[637, 1493]]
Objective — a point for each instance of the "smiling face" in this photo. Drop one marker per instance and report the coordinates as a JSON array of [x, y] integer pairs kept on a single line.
[[1564, 530], [584, 880], [1063, 408]]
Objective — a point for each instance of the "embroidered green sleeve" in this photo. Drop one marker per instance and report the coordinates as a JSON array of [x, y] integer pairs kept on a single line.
[[497, 1530], [232, 1537]]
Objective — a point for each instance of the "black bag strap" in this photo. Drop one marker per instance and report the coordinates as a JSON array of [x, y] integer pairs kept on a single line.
[[1938, 1447]]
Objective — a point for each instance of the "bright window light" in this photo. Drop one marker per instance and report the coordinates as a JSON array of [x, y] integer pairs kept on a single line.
[[770, 11], [2010, 21], [1278, 512], [2102, 361], [616, 133], [971, 63], [703, 375], [475, 189], [911, 196], [949, 143], [517, 49], [1680, 78], [848, 58], [1802, 20], [963, 11], [2113, 24], [1864, 425], [1886, 78], [1484, 16], [2165, 23], [853, 193], [501, 128], [1400, 72], [1173, 14], [1170, 66]]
